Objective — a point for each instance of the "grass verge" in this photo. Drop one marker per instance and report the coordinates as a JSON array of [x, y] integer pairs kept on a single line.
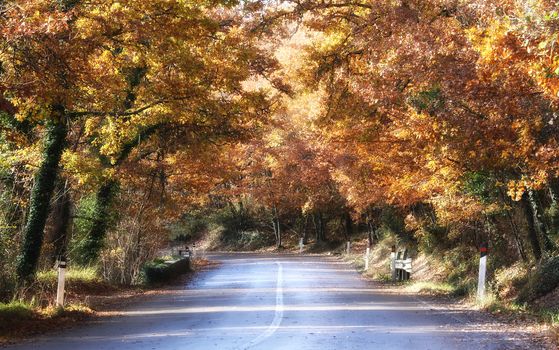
[[432, 288], [15, 310]]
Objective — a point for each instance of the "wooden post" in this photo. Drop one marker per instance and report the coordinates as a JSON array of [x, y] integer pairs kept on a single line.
[[348, 247], [482, 272], [301, 245], [367, 258], [61, 282]]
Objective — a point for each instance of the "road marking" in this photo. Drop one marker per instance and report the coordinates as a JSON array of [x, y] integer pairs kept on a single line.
[[278, 316]]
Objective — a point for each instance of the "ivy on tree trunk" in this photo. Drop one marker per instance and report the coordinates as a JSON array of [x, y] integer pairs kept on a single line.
[[45, 180], [95, 236], [100, 222]]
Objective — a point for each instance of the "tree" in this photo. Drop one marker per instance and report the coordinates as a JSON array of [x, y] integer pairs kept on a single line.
[[78, 61]]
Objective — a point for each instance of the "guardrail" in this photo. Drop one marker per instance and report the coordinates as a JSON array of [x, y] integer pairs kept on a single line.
[[183, 251], [400, 265]]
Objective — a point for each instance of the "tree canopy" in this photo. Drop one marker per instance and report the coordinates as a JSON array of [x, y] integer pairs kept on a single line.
[[155, 108]]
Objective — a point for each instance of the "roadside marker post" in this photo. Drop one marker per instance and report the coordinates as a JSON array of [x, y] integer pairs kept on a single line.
[[367, 258], [301, 245], [393, 262], [348, 247], [61, 282], [482, 272]]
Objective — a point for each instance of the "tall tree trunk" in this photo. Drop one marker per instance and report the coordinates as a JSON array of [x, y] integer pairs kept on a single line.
[[548, 244], [321, 231], [100, 222], [370, 229], [279, 241], [532, 232], [61, 218], [553, 188], [306, 230], [348, 225], [516, 235], [317, 223], [513, 225], [41, 194], [371, 234], [277, 229]]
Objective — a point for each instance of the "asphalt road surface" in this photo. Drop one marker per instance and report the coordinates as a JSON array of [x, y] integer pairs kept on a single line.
[[281, 302]]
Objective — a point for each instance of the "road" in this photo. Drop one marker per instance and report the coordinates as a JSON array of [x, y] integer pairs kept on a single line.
[[281, 302]]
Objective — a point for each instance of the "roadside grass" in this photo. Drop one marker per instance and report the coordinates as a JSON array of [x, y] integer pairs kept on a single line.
[[68, 310], [553, 318], [384, 277], [493, 304], [20, 319], [33, 312], [81, 274], [36, 302], [432, 288], [16, 310], [356, 260]]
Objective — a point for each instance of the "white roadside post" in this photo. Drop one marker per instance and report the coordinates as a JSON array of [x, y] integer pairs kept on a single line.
[[301, 245], [482, 273], [393, 262], [367, 258], [61, 282], [348, 248]]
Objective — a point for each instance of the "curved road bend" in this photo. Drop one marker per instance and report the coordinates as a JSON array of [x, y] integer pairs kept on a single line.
[[280, 302]]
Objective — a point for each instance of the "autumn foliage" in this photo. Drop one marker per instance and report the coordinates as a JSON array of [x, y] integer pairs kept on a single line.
[[435, 118]]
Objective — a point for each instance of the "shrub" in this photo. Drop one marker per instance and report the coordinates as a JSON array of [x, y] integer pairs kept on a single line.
[[134, 241], [433, 238], [543, 280], [509, 280], [234, 221], [160, 271], [191, 226]]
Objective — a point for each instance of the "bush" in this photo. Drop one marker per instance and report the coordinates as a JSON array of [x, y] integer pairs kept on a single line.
[[160, 271], [234, 221], [509, 280], [15, 311], [552, 216], [433, 238], [7, 285], [250, 240], [191, 226], [133, 242], [542, 281]]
